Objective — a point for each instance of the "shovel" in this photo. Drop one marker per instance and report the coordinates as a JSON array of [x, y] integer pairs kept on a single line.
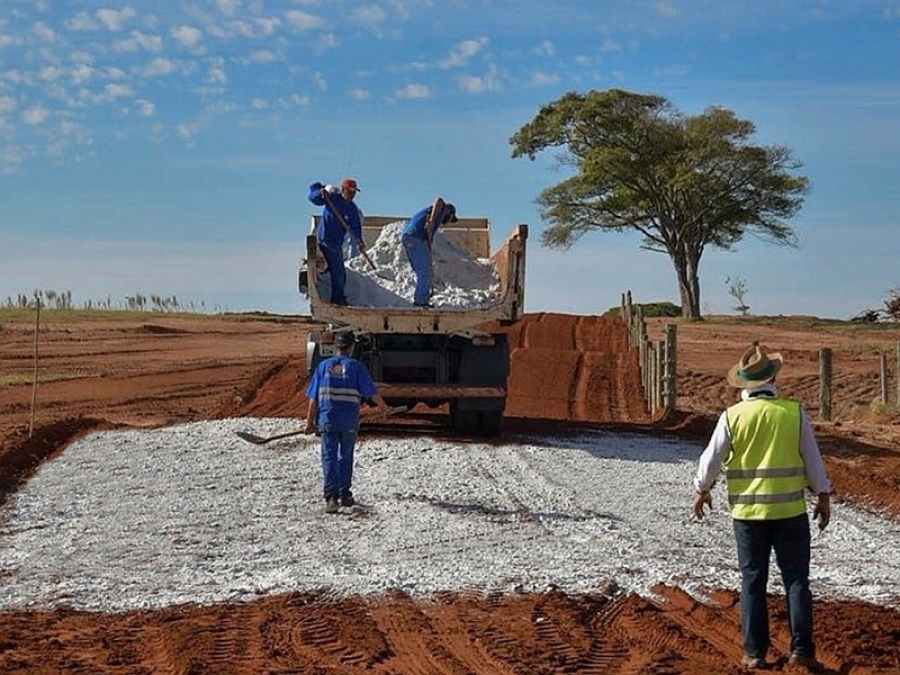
[[262, 440], [359, 245]]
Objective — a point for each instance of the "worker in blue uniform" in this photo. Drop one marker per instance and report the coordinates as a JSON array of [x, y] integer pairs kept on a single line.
[[340, 217], [417, 238]]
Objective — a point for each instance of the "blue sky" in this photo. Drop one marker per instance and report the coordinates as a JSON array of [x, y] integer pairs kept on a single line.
[[166, 148]]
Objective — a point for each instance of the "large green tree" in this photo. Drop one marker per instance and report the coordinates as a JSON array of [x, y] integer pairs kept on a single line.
[[683, 182]]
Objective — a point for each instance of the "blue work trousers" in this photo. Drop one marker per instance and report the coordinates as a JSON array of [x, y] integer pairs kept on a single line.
[[418, 252], [334, 257], [790, 539], [337, 462]]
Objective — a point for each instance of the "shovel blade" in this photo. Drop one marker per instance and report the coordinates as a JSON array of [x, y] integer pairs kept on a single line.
[[252, 438]]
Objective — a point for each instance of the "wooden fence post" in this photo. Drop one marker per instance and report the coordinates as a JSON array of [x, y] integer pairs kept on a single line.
[[882, 358], [898, 374], [825, 384], [669, 392], [650, 376], [34, 381], [660, 374]]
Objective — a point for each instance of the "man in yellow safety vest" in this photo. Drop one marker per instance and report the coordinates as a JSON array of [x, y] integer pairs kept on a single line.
[[766, 445]]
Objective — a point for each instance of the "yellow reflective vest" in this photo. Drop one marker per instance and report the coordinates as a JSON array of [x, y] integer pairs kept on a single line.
[[764, 472]]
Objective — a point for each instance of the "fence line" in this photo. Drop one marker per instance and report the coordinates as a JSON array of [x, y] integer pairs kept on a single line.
[[658, 365], [657, 359]]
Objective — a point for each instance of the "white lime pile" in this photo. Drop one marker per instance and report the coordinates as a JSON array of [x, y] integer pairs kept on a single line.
[[460, 282]]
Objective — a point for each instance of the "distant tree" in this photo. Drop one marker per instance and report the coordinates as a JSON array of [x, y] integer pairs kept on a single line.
[[682, 182], [737, 289], [892, 304]]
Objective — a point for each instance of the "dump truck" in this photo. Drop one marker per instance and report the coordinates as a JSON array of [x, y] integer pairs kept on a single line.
[[431, 356]]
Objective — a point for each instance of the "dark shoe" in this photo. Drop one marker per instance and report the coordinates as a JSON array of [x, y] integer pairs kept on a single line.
[[331, 505], [753, 662], [423, 305], [808, 662], [347, 500]]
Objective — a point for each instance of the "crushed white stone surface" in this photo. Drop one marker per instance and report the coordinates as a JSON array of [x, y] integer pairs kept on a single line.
[[193, 514]]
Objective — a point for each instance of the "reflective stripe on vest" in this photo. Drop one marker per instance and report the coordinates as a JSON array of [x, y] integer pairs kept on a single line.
[[765, 472]]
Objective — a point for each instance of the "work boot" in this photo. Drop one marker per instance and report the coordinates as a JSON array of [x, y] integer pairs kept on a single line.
[[347, 500], [331, 505], [808, 662], [753, 662]]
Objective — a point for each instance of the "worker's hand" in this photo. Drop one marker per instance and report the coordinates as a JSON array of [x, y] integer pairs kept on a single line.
[[822, 512], [701, 498], [310, 427]]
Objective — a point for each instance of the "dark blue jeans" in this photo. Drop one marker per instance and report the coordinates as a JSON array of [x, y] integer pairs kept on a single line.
[[334, 257], [789, 538], [337, 462], [419, 255]]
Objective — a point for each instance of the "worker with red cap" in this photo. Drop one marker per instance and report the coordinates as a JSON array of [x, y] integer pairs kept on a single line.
[[341, 218]]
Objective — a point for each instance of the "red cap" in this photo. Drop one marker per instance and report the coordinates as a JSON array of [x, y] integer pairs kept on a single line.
[[349, 184]]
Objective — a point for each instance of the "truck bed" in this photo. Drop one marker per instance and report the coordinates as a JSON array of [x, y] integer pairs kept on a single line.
[[472, 235]]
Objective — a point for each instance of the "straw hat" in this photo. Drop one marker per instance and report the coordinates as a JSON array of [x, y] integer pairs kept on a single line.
[[755, 368]]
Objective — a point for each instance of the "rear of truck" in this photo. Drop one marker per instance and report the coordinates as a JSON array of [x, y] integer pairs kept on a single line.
[[437, 356]]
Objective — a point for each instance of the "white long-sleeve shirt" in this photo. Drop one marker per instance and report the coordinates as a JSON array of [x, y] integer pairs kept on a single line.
[[719, 447]]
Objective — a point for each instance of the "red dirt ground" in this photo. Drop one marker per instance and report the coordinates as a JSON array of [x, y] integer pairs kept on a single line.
[[567, 372]]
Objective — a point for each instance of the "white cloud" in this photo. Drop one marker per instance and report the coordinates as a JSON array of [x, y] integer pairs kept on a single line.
[[228, 7], [35, 115], [359, 94], [114, 19], [51, 73], [372, 17], [144, 107], [216, 73], [325, 42], [303, 21], [609, 45], [473, 84], [137, 41], [258, 56], [159, 67], [259, 104], [295, 101], [188, 130], [187, 36], [266, 25], [82, 73], [541, 79], [413, 91], [81, 22], [44, 32], [545, 48], [463, 53], [11, 158], [111, 92], [667, 9], [7, 105]]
